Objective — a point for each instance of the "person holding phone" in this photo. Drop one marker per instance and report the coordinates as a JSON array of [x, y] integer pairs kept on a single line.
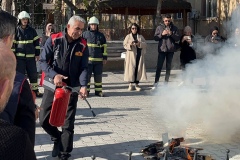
[[135, 69], [187, 54], [167, 35]]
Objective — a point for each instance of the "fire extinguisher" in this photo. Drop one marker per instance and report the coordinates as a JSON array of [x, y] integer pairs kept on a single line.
[[59, 106]]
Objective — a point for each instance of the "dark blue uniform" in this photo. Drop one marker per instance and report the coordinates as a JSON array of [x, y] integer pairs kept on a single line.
[[71, 60], [96, 42], [26, 48], [20, 109]]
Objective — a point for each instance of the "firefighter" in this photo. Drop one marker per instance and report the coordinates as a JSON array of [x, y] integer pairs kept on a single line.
[[64, 63], [96, 42], [26, 48]]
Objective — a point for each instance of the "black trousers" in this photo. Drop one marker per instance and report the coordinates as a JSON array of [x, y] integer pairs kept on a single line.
[[96, 70], [29, 65], [66, 135], [136, 68], [161, 59]]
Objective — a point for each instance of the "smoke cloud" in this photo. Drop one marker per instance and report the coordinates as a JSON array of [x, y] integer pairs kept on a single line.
[[209, 98]]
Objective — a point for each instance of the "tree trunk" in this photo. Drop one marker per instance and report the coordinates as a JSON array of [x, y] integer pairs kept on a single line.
[[158, 14], [58, 15], [7, 5]]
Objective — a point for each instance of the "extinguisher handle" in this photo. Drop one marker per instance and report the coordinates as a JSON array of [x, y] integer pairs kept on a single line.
[[74, 90]]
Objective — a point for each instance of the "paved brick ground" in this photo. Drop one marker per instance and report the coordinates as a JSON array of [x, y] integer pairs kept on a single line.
[[125, 122]]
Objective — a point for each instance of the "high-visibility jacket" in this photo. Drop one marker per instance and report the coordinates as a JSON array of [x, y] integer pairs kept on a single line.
[[97, 45], [26, 43]]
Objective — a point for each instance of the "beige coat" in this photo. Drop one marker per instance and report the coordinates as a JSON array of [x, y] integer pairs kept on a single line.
[[130, 59]]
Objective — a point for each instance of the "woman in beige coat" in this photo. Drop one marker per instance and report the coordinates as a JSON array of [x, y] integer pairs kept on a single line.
[[135, 46]]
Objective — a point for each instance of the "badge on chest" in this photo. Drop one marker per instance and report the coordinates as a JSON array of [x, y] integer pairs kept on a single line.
[[78, 53]]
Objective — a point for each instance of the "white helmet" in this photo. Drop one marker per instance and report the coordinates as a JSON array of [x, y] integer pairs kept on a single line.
[[93, 20], [23, 14]]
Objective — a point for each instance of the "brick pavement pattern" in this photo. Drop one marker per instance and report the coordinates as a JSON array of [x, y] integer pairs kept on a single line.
[[125, 122]]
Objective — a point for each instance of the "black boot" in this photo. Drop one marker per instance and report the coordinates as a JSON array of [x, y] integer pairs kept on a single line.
[[56, 148], [64, 156]]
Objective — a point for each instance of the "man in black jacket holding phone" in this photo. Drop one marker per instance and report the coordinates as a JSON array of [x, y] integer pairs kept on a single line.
[[167, 35]]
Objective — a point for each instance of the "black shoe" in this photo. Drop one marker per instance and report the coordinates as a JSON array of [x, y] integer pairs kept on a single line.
[[100, 94], [38, 94], [56, 148], [64, 156]]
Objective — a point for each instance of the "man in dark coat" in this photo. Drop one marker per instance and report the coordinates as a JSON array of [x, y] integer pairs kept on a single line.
[[167, 35], [14, 141], [64, 59]]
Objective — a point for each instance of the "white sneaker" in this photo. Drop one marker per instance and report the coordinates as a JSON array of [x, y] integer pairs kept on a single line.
[[155, 85], [137, 87], [130, 87]]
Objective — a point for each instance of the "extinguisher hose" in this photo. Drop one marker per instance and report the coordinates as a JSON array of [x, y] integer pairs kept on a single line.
[[74, 90]]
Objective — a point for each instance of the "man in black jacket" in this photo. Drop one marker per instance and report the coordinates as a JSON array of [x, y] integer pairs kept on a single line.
[[14, 141], [64, 59], [167, 35]]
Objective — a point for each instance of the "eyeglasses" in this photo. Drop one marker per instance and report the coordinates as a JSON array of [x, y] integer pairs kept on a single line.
[[134, 28]]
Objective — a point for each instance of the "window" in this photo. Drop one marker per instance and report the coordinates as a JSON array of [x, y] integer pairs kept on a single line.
[[179, 16], [209, 8]]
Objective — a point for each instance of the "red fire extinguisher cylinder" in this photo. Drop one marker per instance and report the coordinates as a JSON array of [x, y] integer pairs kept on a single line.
[[59, 106]]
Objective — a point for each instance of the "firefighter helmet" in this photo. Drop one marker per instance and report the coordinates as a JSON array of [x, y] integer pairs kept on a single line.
[[93, 20], [23, 14]]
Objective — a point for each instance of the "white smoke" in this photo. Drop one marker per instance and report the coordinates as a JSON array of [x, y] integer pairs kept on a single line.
[[209, 97]]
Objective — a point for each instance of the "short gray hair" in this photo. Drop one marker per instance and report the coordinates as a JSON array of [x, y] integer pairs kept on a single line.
[[187, 29], [74, 19]]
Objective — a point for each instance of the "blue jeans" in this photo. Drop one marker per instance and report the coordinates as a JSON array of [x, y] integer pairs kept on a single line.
[[161, 59]]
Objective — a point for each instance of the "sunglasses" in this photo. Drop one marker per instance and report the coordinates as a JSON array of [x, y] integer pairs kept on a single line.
[[167, 21], [134, 28]]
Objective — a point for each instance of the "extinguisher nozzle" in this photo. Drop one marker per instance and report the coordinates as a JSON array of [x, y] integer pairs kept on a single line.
[[94, 115]]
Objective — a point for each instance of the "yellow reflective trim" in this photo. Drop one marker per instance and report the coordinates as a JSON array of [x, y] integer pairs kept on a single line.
[[14, 41], [35, 38], [98, 89], [95, 59], [93, 45], [30, 55], [20, 54], [13, 50], [98, 84], [105, 49], [37, 47], [24, 55], [24, 42]]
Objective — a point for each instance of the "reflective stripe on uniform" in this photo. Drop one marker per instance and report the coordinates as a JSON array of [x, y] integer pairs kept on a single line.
[[98, 89], [95, 59], [35, 38], [23, 42], [105, 49], [37, 47], [13, 50], [93, 45], [24, 55], [97, 84]]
